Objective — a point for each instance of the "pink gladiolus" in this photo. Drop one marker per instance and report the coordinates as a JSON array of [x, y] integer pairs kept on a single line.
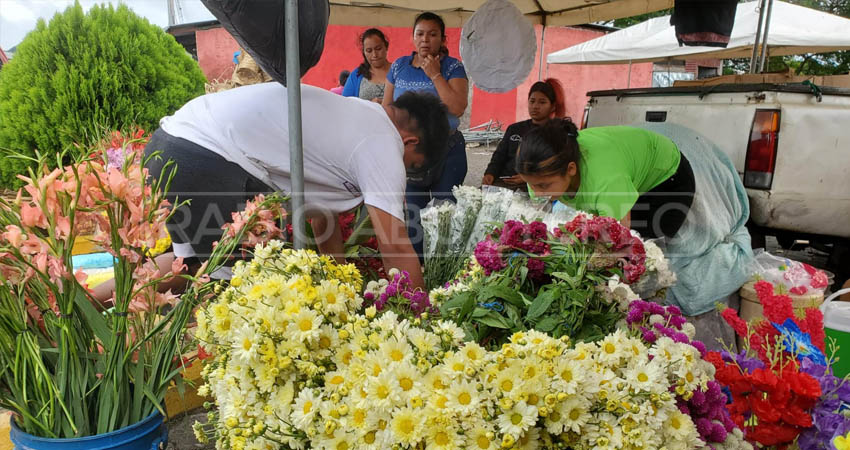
[[14, 236], [32, 216]]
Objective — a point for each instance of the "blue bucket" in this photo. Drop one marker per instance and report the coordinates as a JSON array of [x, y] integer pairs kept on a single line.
[[149, 434]]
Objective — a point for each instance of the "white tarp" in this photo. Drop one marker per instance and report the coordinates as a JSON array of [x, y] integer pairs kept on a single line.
[[498, 46], [793, 30]]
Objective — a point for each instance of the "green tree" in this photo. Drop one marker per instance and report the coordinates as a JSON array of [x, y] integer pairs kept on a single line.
[[85, 73]]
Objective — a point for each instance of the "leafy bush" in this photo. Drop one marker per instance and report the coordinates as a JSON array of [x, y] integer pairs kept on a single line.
[[84, 73]]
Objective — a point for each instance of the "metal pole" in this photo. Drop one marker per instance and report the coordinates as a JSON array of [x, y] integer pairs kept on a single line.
[[764, 38], [542, 50], [754, 59], [296, 150]]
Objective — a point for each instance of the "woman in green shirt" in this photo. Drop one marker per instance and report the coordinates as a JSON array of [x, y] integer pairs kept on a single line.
[[636, 176]]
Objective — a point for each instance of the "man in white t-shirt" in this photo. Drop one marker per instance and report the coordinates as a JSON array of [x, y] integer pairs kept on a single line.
[[231, 145]]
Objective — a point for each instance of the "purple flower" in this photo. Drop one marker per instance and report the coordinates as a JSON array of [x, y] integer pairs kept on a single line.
[[489, 257], [369, 296], [649, 336]]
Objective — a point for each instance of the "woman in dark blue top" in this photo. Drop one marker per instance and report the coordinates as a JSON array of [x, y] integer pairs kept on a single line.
[[430, 69]]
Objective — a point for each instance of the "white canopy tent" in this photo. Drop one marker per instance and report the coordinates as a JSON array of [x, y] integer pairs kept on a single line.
[[793, 30], [455, 12]]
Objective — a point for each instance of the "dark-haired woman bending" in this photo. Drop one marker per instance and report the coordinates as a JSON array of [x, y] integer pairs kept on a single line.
[[367, 81], [633, 175], [545, 101]]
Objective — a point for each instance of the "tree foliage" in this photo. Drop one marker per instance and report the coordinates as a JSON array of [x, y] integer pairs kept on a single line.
[[84, 73]]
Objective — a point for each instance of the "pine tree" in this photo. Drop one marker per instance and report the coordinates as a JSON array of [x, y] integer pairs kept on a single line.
[[83, 74]]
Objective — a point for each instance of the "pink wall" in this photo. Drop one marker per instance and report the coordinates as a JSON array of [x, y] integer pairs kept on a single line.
[[578, 80], [216, 47]]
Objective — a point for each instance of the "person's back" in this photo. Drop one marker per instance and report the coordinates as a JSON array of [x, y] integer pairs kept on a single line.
[[249, 126]]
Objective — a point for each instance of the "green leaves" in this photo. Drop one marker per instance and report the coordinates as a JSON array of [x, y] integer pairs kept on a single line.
[[543, 301]]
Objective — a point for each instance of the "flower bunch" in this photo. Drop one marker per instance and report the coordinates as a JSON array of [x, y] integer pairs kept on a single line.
[[781, 385], [266, 224], [515, 240], [291, 367], [706, 406], [398, 295], [613, 244], [653, 284]]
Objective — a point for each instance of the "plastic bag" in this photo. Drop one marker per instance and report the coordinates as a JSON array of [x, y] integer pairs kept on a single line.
[[259, 28], [797, 278]]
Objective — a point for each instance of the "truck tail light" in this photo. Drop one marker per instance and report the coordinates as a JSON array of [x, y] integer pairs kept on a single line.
[[761, 150]]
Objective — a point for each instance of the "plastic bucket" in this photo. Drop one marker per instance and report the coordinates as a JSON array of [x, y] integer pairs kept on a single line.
[[836, 320], [149, 434]]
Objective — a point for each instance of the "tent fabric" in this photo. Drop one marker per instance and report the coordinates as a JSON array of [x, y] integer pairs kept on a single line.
[[498, 47], [793, 30], [401, 13]]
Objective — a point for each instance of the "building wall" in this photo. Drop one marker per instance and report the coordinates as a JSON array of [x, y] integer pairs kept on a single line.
[[216, 47]]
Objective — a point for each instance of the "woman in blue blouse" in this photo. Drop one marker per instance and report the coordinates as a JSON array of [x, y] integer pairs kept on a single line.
[[367, 81], [430, 69]]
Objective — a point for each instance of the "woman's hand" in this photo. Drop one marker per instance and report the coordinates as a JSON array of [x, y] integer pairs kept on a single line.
[[488, 179], [515, 180], [431, 66]]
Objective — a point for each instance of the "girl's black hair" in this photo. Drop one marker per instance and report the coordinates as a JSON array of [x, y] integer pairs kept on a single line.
[[553, 90], [365, 68], [431, 17], [549, 149], [343, 77]]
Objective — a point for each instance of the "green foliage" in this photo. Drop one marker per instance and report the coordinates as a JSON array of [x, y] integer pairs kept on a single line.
[[85, 73]]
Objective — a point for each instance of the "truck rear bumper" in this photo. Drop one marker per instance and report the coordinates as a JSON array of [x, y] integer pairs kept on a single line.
[[800, 213]]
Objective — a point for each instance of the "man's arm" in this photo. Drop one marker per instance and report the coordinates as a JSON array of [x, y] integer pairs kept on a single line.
[[329, 236], [395, 246]]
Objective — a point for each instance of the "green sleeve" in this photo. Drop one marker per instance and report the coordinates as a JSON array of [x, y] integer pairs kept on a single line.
[[616, 198]]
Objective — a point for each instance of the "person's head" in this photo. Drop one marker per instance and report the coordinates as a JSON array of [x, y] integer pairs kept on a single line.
[[548, 158], [423, 123], [374, 45], [429, 35], [343, 77], [546, 100]]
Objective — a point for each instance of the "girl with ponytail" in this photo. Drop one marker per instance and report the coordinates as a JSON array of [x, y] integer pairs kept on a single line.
[[634, 175], [545, 101]]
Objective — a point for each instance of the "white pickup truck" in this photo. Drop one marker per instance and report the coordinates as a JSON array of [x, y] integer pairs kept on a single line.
[[790, 144]]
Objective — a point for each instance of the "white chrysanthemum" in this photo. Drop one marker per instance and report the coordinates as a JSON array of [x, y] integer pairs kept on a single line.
[[442, 438], [463, 397], [681, 428], [386, 322], [407, 426], [305, 326], [665, 349], [384, 391], [396, 351], [507, 382], [689, 329], [530, 440], [575, 413], [481, 438], [647, 377], [436, 380], [451, 329], [473, 353], [518, 419], [409, 380], [424, 341], [333, 301], [457, 364], [245, 343], [341, 441], [306, 406]]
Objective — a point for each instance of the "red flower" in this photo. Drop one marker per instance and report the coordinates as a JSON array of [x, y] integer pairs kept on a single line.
[[738, 324], [764, 379], [772, 434], [764, 409], [813, 324], [803, 384], [795, 415]]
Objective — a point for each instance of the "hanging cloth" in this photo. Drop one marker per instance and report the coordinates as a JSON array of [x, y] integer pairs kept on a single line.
[[705, 23]]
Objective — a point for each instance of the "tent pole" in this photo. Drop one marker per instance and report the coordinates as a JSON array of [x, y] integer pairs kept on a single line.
[[542, 50], [763, 58], [754, 59], [293, 94], [629, 82]]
